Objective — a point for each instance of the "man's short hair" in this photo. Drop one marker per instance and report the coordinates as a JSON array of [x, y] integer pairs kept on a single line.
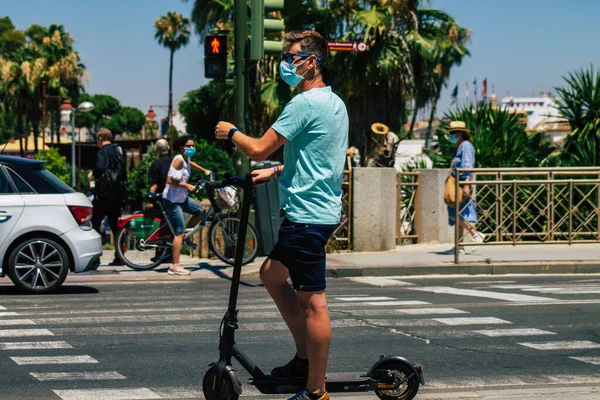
[[104, 135], [162, 145], [311, 42]]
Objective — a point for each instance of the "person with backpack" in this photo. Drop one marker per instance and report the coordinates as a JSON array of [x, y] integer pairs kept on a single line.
[[109, 194]]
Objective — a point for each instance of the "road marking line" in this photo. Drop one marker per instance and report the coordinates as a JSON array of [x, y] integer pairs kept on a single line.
[[8, 314], [152, 318], [24, 332], [589, 360], [514, 332], [394, 303], [195, 328], [471, 321], [379, 281], [2, 308], [482, 282], [563, 345], [427, 311], [54, 360], [107, 394], [77, 376], [481, 293], [361, 298], [7, 322], [34, 345]]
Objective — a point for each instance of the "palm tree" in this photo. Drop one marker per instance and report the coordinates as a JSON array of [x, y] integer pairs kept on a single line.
[[579, 103], [449, 52], [172, 32]]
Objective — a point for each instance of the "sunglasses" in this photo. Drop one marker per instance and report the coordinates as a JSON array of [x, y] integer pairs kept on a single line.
[[289, 57]]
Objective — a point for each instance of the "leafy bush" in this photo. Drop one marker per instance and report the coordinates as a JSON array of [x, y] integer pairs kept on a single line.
[[55, 163]]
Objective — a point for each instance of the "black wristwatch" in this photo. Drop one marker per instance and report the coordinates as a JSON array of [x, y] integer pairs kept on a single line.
[[231, 132]]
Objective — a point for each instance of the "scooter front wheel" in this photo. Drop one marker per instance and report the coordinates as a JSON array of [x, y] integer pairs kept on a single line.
[[210, 386], [402, 376]]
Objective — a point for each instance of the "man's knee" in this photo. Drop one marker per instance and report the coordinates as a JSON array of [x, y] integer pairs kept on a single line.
[[312, 302]]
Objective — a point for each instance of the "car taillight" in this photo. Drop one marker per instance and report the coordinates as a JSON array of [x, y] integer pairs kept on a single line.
[[81, 214]]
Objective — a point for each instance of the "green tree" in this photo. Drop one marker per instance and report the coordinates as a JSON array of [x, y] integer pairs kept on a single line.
[[203, 108], [137, 182], [172, 32], [578, 102], [378, 85], [55, 163]]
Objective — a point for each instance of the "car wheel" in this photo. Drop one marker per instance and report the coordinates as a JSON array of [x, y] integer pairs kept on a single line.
[[38, 265]]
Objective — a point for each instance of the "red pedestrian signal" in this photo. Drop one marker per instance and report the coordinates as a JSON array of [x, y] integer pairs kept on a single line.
[[215, 56]]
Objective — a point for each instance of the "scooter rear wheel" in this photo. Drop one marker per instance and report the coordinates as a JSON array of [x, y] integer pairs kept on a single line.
[[407, 390], [209, 386]]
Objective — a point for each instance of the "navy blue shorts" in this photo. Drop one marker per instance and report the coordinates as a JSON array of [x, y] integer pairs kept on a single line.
[[301, 248]]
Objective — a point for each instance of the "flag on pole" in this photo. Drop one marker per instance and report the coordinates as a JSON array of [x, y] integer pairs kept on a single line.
[[466, 89], [484, 90], [475, 88], [454, 94]]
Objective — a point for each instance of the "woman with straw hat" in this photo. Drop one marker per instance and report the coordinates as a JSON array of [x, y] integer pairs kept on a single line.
[[464, 157]]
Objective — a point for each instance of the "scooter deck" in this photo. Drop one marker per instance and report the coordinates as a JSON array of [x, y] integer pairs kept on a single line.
[[335, 382]]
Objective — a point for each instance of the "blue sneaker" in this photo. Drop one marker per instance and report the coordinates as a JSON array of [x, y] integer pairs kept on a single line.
[[304, 395]]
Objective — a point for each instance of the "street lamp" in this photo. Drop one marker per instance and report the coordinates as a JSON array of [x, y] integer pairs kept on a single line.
[[65, 109]]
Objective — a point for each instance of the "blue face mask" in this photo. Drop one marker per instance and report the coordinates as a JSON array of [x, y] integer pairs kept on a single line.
[[190, 151], [287, 72], [453, 138]]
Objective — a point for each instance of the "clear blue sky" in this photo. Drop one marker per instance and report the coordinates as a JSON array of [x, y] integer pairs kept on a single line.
[[521, 46]]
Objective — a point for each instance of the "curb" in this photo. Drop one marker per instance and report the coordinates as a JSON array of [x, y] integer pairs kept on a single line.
[[475, 268]]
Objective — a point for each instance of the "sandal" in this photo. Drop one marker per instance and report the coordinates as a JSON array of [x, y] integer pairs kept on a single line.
[[178, 270]]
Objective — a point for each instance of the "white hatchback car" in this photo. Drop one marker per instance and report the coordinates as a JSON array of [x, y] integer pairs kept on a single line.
[[45, 228]]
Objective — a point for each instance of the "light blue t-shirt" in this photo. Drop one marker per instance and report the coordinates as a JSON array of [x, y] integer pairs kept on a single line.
[[315, 123]]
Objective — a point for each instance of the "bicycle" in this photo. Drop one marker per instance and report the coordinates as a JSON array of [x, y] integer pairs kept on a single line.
[[145, 238]]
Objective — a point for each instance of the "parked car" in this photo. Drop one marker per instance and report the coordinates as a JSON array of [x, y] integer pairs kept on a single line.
[[45, 227]]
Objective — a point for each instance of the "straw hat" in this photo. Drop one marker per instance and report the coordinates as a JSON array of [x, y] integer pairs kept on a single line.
[[458, 126]]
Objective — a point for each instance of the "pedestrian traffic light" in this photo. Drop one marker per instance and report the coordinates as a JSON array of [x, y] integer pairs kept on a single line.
[[259, 26], [215, 56]]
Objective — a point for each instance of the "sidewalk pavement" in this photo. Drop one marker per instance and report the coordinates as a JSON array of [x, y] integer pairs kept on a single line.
[[420, 259]]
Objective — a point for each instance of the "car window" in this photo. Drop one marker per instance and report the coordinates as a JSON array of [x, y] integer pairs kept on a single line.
[[5, 185], [21, 185]]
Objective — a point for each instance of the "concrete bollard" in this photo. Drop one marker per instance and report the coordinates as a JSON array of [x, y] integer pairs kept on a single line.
[[433, 221], [374, 209]]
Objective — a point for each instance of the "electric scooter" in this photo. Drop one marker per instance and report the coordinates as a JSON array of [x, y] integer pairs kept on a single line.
[[391, 377]]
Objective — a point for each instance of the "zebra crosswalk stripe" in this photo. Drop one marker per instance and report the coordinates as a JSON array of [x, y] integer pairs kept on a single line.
[[563, 345], [54, 360], [589, 360], [107, 394], [77, 376], [34, 345]]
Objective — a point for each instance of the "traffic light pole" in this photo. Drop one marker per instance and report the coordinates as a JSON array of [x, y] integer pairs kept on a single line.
[[242, 163]]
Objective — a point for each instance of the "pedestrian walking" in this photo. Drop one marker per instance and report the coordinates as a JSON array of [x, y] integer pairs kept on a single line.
[[159, 170], [157, 178], [313, 130], [463, 156], [109, 191], [177, 200]]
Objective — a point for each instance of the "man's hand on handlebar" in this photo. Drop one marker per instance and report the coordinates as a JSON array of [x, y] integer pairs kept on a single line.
[[190, 188], [260, 176]]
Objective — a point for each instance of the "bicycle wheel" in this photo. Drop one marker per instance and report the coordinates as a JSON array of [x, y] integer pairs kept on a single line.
[[137, 255], [222, 239]]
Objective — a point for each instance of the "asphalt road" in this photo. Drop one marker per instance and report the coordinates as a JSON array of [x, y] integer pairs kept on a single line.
[[477, 336]]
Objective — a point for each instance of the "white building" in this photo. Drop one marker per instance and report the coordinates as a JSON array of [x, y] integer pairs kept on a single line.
[[540, 114]]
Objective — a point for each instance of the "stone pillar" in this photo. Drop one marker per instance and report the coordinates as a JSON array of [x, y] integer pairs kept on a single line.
[[374, 209], [433, 220]]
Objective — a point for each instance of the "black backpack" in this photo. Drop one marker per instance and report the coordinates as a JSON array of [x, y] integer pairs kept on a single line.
[[111, 184]]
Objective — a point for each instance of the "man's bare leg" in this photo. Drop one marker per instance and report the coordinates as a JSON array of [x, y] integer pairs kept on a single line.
[[318, 338], [274, 276]]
